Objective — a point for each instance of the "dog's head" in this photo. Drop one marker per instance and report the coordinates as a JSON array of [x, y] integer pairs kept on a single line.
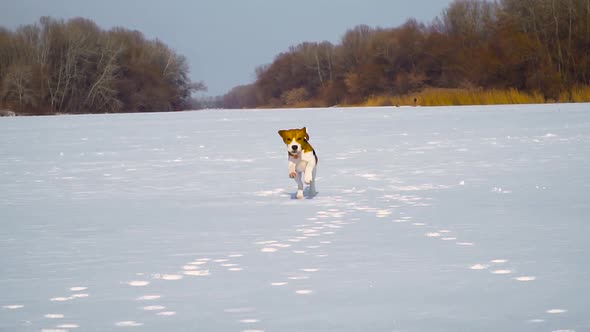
[[294, 139]]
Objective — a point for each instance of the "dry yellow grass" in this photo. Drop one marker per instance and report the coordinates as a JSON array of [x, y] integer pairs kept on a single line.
[[578, 94], [455, 97], [452, 97]]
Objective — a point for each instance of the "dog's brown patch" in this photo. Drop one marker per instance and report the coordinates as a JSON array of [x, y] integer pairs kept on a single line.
[[300, 136]]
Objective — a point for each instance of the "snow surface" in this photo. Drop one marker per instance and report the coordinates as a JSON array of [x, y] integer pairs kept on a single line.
[[427, 219]]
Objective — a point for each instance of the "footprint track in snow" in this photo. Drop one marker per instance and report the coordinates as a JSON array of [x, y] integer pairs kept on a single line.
[[327, 223], [199, 267], [445, 235]]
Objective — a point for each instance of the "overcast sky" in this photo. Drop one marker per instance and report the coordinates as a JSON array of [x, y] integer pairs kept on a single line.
[[225, 40]]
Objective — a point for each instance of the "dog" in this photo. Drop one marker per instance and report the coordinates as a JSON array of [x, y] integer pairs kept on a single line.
[[302, 159]]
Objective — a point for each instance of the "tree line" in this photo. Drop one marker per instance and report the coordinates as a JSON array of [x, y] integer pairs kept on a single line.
[[540, 46], [56, 66]]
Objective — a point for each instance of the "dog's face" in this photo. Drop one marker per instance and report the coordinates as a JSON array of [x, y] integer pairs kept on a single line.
[[294, 139]]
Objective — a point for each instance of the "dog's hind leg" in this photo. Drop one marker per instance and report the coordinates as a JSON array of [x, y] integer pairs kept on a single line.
[[312, 191], [299, 185]]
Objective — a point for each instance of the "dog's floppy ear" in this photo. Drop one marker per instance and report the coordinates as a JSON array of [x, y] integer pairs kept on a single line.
[[305, 132], [281, 132]]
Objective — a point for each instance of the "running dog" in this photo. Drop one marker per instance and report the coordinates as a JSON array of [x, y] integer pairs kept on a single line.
[[302, 159]]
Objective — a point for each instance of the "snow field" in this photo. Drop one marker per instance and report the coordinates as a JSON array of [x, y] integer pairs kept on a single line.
[[426, 219]]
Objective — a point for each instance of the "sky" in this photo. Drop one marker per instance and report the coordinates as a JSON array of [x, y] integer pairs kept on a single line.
[[225, 40]]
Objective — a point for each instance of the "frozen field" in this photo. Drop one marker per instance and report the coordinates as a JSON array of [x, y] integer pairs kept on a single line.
[[427, 219]]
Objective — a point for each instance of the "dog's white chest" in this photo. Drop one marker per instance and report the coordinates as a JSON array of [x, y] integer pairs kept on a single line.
[[300, 165]]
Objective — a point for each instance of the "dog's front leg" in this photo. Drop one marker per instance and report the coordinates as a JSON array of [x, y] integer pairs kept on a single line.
[[299, 185], [292, 172]]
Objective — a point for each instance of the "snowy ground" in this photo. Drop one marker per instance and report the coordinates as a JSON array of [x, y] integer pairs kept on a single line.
[[427, 219]]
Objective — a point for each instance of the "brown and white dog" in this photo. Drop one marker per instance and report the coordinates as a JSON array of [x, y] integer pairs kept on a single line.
[[302, 159]]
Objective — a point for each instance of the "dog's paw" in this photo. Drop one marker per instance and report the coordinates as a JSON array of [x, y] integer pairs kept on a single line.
[[292, 174], [299, 194], [307, 180]]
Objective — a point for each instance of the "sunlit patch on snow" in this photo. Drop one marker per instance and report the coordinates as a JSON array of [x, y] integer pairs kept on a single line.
[[171, 277], [128, 323], [310, 270], [298, 278], [432, 234], [68, 326], [54, 330], [278, 283], [77, 289], [536, 321], [153, 307], [499, 261], [81, 295], [280, 245], [526, 278], [13, 306], [448, 238], [148, 297], [266, 242], [197, 273], [368, 176], [505, 271], [61, 299], [304, 292], [383, 213], [138, 283], [249, 320], [267, 193], [556, 311], [268, 249], [465, 244], [499, 190], [54, 316], [354, 190], [197, 263], [479, 267]]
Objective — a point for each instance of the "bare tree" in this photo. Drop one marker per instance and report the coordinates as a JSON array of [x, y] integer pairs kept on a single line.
[[17, 88]]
